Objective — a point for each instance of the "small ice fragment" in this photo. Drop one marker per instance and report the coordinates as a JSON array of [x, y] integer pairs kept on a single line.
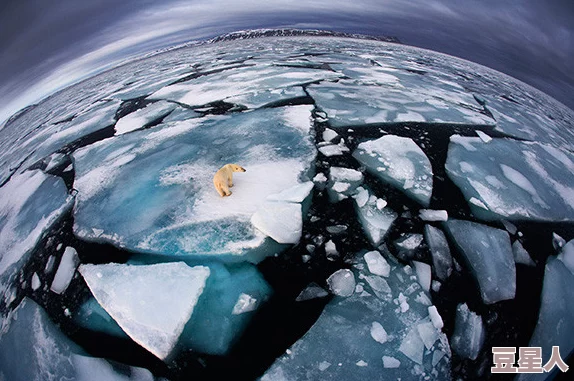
[[378, 333], [423, 274], [390, 362], [362, 197], [428, 334], [331, 249], [557, 241], [468, 335], [361, 363], [49, 264], [435, 317], [521, 255], [340, 186], [329, 135], [483, 136], [412, 346], [245, 303], [336, 229], [381, 203], [36, 283], [435, 285], [323, 365], [433, 215], [320, 178], [377, 264], [312, 291], [65, 271], [509, 227], [342, 282], [567, 255]]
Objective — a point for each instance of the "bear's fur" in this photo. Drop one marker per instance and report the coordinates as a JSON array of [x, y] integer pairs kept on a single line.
[[223, 179]]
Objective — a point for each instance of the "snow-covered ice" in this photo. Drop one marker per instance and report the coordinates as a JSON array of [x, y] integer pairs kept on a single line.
[[343, 182], [433, 215], [469, 334], [152, 303], [488, 253], [281, 221], [400, 162], [142, 117], [513, 180], [438, 245], [66, 270]]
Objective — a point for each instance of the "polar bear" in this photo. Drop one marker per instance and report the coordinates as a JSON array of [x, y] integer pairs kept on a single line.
[[223, 179]]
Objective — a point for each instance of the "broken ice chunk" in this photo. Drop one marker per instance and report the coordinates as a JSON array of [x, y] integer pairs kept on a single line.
[[36, 282], [245, 303], [435, 317], [390, 362], [297, 193], [375, 222], [151, 303], [438, 245], [329, 135], [489, 255], [433, 215], [65, 271], [483, 136], [557, 241], [428, 333], [343, 182], [400, 162], [412, 346], [342, 282], [423, 274], [521, 255], [567, 255], [468, 335], [331, 250], [312, 291], [377, 264], [281, 221], [408, 245], [142, 117], [378, 333], [333, 150]]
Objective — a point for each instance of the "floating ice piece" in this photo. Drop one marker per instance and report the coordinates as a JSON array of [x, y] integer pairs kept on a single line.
[[468, 335], [556, 313], [267, 98], [375, 222], [151, 303], [30, 203], [567, 255], [281, 221], [32, 348], [36, 282], [65, 271], [312, 291], [297, 193], [408, 245], [433, 215], [557, 241], [329, 135], [342, 282], [245, 303], [142, 117], [158, 188], [343, 182], [331, 249], [438, 245], [513, 180], [366, 326], [337, 229], [489, 255], [510, 227], [435, 317], [483, 136], [333, 150], [423, 274], [377, 264], [400, 162], [521, 255]]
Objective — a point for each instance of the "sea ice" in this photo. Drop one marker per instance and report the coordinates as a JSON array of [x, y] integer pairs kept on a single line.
[[521, 255], [142, 117], [151, 303], [33, 348], [567, 255], [312, 291], [329, 135], [468, 335], [281, 221], [423, 274], [438, 245], [30, 203], [342, 282], [489, 255], [297, 193], [400, 162], [375, 222], [433, 215], [343, 182], [65, 271], [513, 180], [377, 264], [408, 245], [366, 327]]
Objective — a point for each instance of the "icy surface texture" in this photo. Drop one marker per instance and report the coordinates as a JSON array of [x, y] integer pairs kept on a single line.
[[400, 162], [521, 255], [438, 245], [343, 182], [489, 256], [32, 348], [554, 325], [469, 334], [513, 180], [158, 189], [281, 221], [376, 221], [30, 203], [354, 335], [142, 117], [151, 303], [66, 270]]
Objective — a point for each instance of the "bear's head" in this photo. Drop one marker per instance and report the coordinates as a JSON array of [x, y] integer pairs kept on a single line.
[[237, 168]]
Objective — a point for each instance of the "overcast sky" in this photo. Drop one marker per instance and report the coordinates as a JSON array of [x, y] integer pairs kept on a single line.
[[46, 45]]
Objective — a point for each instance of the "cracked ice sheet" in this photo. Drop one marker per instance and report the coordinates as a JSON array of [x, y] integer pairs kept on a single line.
[[152, 191], [508, 179], [239, 81], [29, 204], [343, 336], [138, 119], [349, 103]]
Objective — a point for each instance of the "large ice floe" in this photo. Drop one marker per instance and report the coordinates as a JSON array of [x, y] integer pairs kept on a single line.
[[152, 191], [513, 180], [488, 253], [380, 330], [400, 162], [33, 348], [29, 205], [150, 303]]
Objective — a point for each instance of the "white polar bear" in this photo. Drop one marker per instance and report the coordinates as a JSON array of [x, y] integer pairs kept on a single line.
[[223, 179]]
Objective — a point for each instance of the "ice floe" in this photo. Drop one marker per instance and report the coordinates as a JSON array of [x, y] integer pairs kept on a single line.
[[66, 270], [438, 245], [142, 117], [376, 222], [469, 333], [400, 162]]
